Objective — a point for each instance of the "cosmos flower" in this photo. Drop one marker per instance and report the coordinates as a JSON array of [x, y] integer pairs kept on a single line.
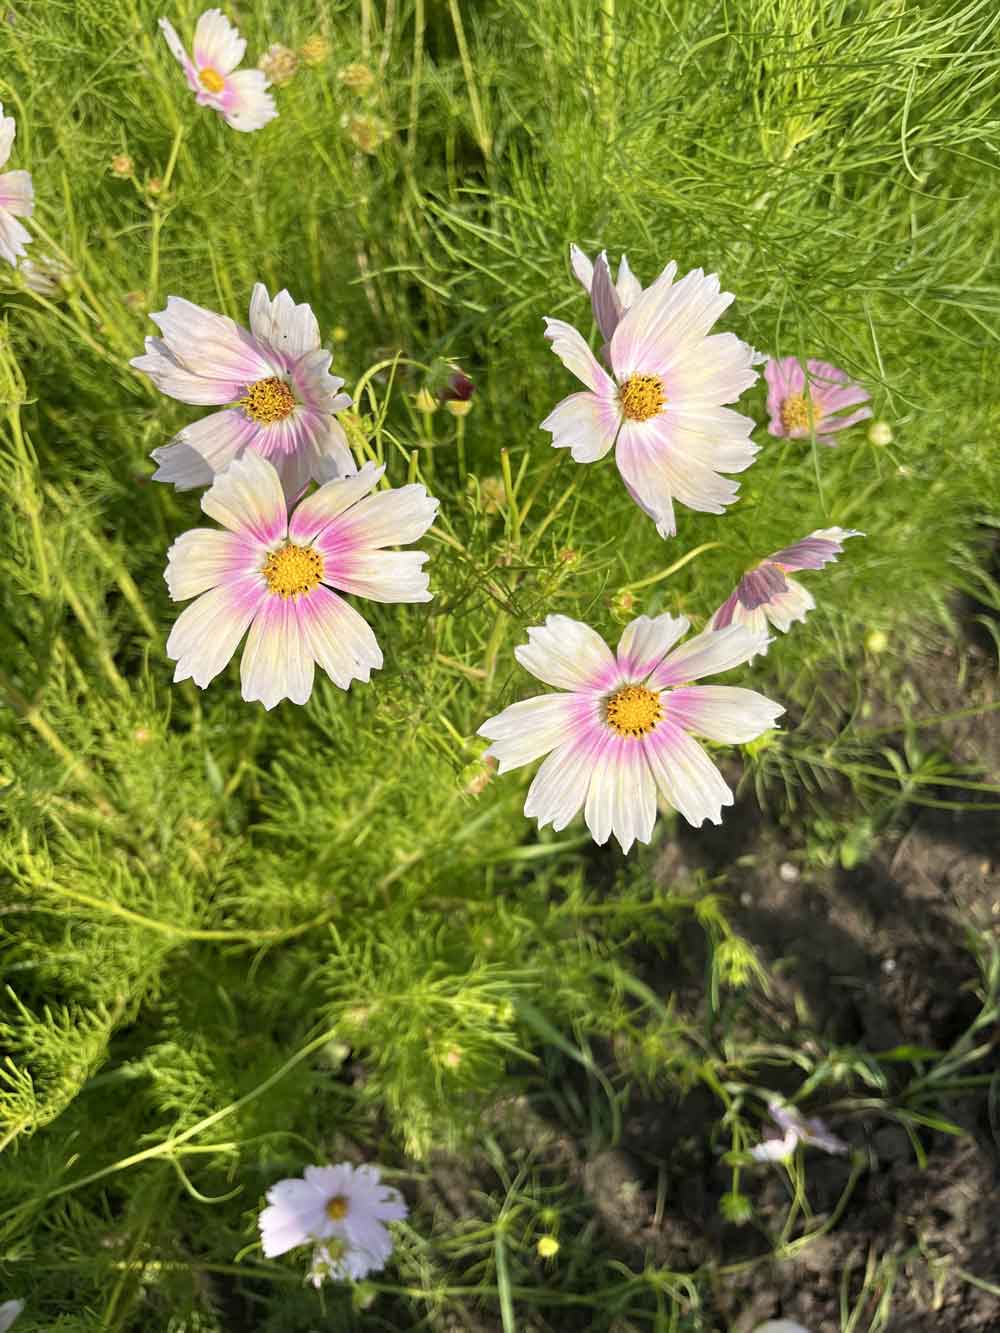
[[662, 405], [798, 409], [622, 734], [271, 573], [17, 198], [239, 95], [764, 595], [8, 1313], [795, 1130], [281, 398], [342, 1210]]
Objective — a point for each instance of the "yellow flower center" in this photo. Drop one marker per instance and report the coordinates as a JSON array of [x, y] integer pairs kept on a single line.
[[641, 397], [798, 412], [293, 570], [634, 710], [336, 1208], [268, 400], [211, 79]]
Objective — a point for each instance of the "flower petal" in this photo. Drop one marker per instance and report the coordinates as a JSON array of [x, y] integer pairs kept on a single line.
[[723, 713], [576, 356], [621, 798], [217, 44], [582, 266], [319, 510], [527, 730], [707, 654], [340, 639], [666, 321], [560, 786], [13, 238], [628, 286], [247, 498], [639, 458], [646, 641], [569, 655], [202, 558], [200, 451], [604, 300], [17, 194], [290, 329], [296, 1211], [207, 633], [381, 576], [792, 605], [245, 103], [277, 663], [685, 776], [8, 129], [180, 54], [584, 423], [387, 518]]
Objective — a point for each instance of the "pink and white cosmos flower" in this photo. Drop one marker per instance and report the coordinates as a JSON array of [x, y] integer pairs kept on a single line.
[[272, 573], [342, 1210], [798, 409], [623, 732], [795, 1129], [282, 399], [239, 95], [765, 596], [662, 405], [17, 198]]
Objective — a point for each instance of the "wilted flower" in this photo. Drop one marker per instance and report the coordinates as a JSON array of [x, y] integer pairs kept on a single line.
[[279, 63], [122, 165], [282, 401], [17, 198], [623, 733], [356, 76], [764, 595], [272, 573], [795, 1130], [365, 131], [662, 406], [315, 49], [798, 409], [45, 275], [8, 1313], [342, 1210], [457, 391], [239, 95]]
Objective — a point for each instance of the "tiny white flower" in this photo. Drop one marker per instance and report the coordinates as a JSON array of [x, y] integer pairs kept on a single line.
[[796, 1129]]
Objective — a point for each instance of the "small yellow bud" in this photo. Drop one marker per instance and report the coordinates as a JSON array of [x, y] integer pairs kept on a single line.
[[367, 133], [452, 1057], [154, 185], [880, 433], [339, 334], [548, 1247], [142, 735], [458, 408], [357, 77], [122, 165], [279, 63], [877, 641], [425, 402], [315, 49]]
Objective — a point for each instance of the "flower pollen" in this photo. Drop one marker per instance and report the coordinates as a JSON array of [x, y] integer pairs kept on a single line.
[[293, 570], [641, 397], [798, 412], [634, 710], [211, 79], [268, 400], [336, 1208]]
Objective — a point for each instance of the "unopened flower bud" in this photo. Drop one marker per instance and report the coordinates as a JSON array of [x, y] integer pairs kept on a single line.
[[458, 407], [135, 300], [279, 63], [315, 49], [339, 334], [548, 1247], [357, 77], [877, 641], [154, 185], [122, 165], [425, 402], [366, 132], [880, 433]]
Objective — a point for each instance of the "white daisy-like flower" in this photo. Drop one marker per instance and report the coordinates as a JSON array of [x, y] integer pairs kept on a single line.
[[282, 401], [8, 1313], [239, 95], [795, 1129], [342, 1210], [662, 405], [273, 572], [17, 198], [623, 733]]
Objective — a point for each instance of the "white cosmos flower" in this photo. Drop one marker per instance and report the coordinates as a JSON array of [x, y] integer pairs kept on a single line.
[[17, 198], [239, 95], [281, 400], [273, 572], [342, 1210], [8, 1313], [623, 732], [662, 406]]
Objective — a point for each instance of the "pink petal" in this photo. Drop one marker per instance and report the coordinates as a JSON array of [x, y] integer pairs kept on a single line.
[[202, 558], [207, 633], [604, 300], [180, 55], [247, 498], [646, 641], [581, 265], [288, 328], [245, 103], [576, 356], [707, 654], [277, 663], [621, 797], [387, 518], [816, 550], [639, 456], [722, 713], [203, 449], [381, 576], [666, 321], [17, 194], [569, 655], [685, 776], [560, 786], [8, 129], [314, 514], [217, 44], [340, 640], [13, 238], [527, 730]]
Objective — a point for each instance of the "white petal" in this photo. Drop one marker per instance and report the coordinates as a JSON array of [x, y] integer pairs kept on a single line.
[[775, 1150], [582, 266], [209, 345], [8, 1313], [576, 356], [203, 449], [527, 730], [381, 576], [639, 459], [247, 498], [707, 654], [17, 194], [646, 641], [202, 558], [208, 632], [786, 607], [13, 238], [387, 518], [247, 105], [217, 44], [584, 423], [287, 327], [665, 320], [685, 775], [724, 713], [560, 785], [340, 640], [277, 663], [568, 654], [621, 798], [712, 370], [628, 285], [8, 129], [333, 498]]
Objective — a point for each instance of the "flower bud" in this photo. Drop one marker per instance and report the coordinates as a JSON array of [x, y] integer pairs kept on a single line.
[[548, 1247], [122, 166], [357, 77], [279, 63], [880, 433], [366, 132], [315, 49]]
